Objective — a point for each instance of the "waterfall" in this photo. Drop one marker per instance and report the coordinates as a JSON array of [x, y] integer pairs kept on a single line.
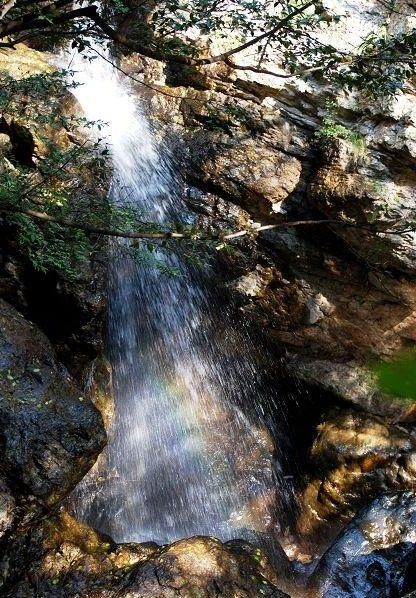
[[189, 452]]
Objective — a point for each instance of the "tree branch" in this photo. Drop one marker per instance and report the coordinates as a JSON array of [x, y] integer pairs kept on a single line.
[[182, 59], [38, 21], [165, 235]]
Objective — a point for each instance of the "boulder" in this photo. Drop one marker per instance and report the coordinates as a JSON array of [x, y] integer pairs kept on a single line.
[[355, 457], [67, 558], [50, 434], [374, 555], [259, 185]]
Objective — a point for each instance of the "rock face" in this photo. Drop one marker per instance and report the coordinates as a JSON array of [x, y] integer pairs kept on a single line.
[[68, 558], [50, 435], [355, 457], [333, 297], [374, 556], [341, 192]]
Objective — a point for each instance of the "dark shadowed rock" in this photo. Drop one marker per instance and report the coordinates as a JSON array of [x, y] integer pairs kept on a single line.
[[50, 434], [353, 383], [355, 457], [371, 558]]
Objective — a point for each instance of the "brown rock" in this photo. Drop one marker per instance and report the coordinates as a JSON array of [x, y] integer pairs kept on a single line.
[[355, 457], [65, 558]]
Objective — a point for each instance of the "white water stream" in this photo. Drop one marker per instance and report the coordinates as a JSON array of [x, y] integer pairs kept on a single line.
[[183, 458]]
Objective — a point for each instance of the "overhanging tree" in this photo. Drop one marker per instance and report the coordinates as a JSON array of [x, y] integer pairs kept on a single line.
[[279, 32]]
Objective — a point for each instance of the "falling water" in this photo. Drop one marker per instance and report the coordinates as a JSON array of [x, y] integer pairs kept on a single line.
[[186, 455]]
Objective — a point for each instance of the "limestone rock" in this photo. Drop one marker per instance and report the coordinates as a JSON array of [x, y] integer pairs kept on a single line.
[[373, 557]]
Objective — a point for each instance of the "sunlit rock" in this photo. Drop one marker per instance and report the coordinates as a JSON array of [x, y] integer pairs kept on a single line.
[[23, 61], [258, 185], [254, 283], [354, 457], [67, 557]]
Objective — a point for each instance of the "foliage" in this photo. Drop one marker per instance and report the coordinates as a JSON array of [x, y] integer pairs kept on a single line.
[[398, 377], [332, 129], [285, 31], [50, 184], [49, 246], [53, 247], [383, 65]]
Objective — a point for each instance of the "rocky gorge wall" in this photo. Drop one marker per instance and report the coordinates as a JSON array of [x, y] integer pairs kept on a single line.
[[334, 300], [330, 300]]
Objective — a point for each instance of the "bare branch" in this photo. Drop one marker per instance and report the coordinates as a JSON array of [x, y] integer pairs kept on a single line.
[[254, 229]]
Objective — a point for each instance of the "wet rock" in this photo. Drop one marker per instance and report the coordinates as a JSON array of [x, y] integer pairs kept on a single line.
[[98, 386], [67, 558], [355, 457], [201, 566], [371, 558], [23, 61], [50, 435]]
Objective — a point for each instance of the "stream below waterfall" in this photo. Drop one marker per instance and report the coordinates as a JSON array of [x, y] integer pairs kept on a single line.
[[190, 449]]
